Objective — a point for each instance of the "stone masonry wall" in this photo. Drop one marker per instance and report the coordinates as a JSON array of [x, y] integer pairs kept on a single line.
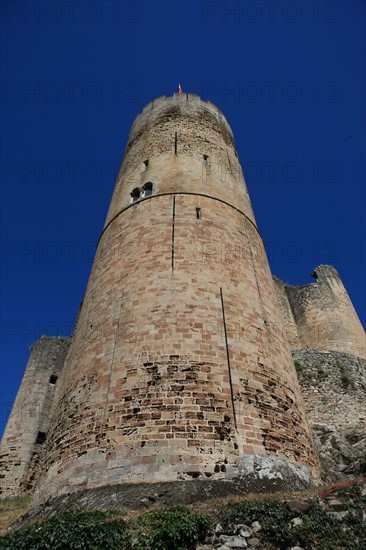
[[30, 416], [320, 315], [334, 388]]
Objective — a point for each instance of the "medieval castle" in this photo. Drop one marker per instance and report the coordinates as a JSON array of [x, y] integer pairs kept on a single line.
[[180, 376]]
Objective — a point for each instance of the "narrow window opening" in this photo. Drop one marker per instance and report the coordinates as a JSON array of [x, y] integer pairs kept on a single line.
[[198, 213], [205, 159], [41, 438], [53, 379], [147, 189], [135, 194], [175, 143], [146, 162]]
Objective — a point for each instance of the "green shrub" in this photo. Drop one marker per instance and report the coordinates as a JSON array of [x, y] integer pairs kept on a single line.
[[72, 530], [345, 379], [322, 374], [318, 529], [355, 503], [273, 515], [298, 366], [172, 528]]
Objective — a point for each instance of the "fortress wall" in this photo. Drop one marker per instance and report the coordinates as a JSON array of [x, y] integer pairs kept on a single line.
[[30, 416], [333, 385], [323, 314]]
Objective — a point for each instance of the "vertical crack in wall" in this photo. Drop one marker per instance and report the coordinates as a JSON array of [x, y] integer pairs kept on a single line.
[[254, 270], [270, 339], [228, 358], [228, 161], [173, 231], [112, 359]]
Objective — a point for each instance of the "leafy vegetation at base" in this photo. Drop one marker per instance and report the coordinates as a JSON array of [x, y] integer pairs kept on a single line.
[[173, 528], [72, 530], [273, 515], [181, 528], [355, 502], [322, 530], [318, 529], [170, 528]]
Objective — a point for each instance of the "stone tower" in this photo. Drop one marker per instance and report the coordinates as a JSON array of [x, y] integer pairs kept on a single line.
[[24, 436], [179, 370], [320, 315]]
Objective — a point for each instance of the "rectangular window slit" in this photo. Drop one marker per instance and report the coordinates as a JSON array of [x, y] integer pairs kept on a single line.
[[53, 379], [175, 143], [198, 213], [41, 438]]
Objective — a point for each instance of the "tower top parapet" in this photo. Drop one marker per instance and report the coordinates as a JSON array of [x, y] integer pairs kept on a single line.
[[186, 102], [181, 98], [180, 144]]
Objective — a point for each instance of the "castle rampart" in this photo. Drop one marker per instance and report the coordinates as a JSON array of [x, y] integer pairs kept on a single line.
[[320, 315]]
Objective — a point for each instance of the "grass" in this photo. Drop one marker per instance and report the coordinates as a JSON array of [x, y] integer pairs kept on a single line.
[[12, 509]]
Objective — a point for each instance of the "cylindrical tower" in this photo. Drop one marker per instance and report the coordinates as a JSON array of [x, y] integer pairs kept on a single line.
[[179, 369]]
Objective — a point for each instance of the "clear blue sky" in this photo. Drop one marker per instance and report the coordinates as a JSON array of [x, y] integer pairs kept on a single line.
[[290, 78]]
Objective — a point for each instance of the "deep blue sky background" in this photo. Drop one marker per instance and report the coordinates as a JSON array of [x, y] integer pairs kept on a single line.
[[298, 116]]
